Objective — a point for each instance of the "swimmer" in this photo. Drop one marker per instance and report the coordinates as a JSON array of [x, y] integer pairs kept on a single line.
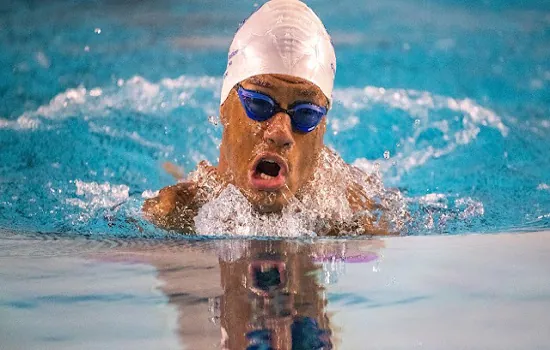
[[276, 93]]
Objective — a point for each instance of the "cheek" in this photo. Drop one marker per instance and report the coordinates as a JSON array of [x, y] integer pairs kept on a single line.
[[242, 137], [308, 148]]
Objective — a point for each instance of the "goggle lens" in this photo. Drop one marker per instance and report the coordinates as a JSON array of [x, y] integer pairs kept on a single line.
[[259, 107], [306, 117]]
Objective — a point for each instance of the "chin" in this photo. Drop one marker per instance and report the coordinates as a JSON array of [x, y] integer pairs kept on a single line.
[[268, 202]]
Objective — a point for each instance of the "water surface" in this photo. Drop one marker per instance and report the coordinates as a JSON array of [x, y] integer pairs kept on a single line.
[[463, 292]]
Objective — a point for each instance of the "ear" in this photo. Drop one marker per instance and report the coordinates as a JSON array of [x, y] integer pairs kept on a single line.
[[225, 112]]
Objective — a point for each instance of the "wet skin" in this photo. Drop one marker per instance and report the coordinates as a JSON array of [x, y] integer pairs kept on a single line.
[[245, 142], [249, 147]]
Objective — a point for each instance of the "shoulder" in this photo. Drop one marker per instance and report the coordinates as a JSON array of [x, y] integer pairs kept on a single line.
[[175, 207]]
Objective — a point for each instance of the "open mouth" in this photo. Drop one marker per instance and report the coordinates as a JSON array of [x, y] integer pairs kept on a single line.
[[266, 276], [268, 172]]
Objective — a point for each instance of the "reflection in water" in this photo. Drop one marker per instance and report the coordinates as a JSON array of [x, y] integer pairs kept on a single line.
[[253, 294], [271, 297]]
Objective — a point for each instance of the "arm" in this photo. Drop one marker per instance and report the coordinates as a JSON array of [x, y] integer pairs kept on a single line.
[[176, 206]]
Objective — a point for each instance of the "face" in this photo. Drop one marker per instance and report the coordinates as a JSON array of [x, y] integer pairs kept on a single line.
[[270, 161]]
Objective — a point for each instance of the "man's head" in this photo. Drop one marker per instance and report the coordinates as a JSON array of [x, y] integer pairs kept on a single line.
[[270, 160], [283, 55]]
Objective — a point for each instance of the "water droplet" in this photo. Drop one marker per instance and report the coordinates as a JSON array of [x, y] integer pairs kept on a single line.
[[97, 30], [212, 119], [96, 92], [387, 155]]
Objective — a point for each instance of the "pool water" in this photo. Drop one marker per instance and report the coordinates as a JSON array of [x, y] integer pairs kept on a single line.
[[449, 102], [461, 292]]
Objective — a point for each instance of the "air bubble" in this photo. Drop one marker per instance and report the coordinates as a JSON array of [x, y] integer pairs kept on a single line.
[[387, 155], [417, 123]]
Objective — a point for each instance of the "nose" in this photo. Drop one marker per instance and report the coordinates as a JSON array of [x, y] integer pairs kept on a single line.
[[279, 131]]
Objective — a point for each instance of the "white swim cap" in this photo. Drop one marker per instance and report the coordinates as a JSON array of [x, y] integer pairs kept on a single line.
[[282, 37]]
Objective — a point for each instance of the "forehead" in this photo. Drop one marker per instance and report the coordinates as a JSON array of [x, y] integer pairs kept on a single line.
[[285, 82]]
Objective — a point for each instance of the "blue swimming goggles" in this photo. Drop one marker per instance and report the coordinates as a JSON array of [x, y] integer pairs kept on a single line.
[[260, 107]]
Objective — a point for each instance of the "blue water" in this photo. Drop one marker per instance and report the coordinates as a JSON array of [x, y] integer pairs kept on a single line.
[[96, 95], [448, 100]]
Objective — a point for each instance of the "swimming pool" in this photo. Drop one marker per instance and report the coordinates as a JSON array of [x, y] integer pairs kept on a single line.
[[448, 101]]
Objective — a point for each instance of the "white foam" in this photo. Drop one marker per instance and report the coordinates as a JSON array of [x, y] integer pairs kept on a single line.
[[316, 208], [134, 95], [21, 123], [437, 209], [231, 213], [96, 196], [417, 103], [147, 194], [423, 108], [437, 200], [543, 187], [470, 207]]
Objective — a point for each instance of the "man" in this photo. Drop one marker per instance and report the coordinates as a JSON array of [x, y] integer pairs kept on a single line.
[[275, 96]]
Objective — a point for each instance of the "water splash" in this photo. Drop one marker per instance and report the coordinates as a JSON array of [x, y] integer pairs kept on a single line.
[[95, 197], [435, 212], [322, 205]]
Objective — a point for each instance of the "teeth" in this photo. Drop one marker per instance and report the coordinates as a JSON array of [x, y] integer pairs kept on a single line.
[[265, 176], [270, 161]]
